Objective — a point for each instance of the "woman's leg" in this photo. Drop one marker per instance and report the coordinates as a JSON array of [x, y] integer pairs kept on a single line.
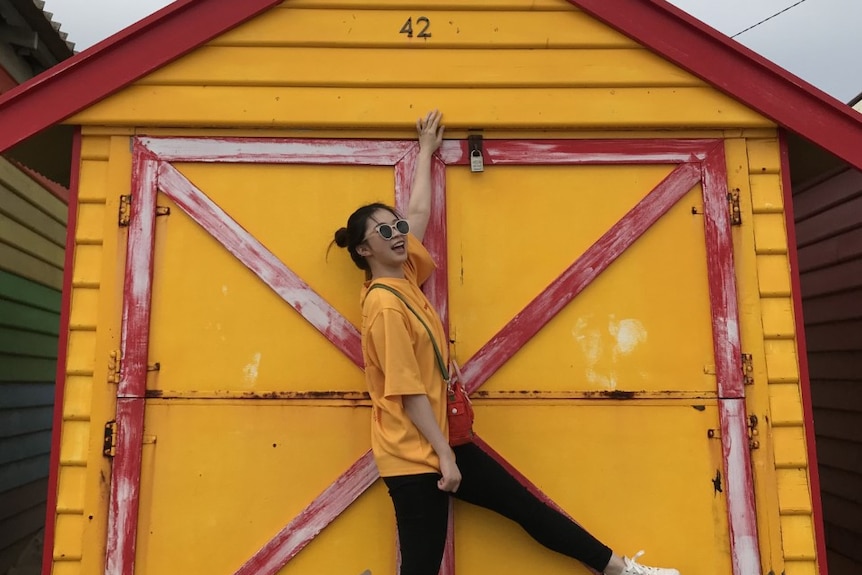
[[422, 513], [487, 484]]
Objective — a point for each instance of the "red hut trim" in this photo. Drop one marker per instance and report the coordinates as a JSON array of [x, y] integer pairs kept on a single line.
[[801, 346]]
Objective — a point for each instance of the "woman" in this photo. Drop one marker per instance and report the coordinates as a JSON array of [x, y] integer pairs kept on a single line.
[[409, 426]]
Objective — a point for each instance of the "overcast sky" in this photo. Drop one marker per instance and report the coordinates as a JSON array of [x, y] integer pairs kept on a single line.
[[816, 40]]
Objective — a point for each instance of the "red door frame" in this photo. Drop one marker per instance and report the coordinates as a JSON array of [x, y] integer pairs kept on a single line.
[[699, 161]]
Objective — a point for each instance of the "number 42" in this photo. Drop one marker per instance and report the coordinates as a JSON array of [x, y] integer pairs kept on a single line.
[[408, 27]]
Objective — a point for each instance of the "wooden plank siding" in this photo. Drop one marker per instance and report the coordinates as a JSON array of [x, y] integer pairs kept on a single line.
[[829, 237], [785, 519], [275, 69], [32, 230], [84, 411]]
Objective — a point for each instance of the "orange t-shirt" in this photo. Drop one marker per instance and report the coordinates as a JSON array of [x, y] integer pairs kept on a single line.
[[400, 360]]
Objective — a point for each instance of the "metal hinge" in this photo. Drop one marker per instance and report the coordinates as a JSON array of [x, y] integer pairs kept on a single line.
[[747, 369], [733, 206], [109, 445], [114, 367], [125, 215], [753, 433]]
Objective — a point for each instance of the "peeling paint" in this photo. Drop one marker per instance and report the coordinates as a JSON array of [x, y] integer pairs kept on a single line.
[[278, 150], [590, 341], [629, 333], [251, 370], [572, 153], [124, 492], [601, 359]]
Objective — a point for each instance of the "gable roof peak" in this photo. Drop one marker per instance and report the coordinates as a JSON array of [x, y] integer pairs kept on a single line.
[[659, 26]]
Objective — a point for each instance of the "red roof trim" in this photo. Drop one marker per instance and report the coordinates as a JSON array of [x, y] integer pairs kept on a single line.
[[58, 190], [802, 355], [736, 71], [7, 82], [111, 65], [668, 31]]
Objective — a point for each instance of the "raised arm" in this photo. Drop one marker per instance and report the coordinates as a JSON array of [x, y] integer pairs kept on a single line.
[[430, 137]]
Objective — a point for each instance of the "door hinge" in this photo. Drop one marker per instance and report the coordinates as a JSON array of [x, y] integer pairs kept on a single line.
[[125, 211], [109, 445], [114, 367], [125, 215], [747, 369], [753, 433], [733, 206]]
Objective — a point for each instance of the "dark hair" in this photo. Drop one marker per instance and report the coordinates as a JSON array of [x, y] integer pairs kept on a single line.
[[354, 234]]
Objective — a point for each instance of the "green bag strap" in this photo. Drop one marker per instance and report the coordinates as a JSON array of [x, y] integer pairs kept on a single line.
[[440, 363]]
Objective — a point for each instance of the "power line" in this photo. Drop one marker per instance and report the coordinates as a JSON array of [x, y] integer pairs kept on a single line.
[[779, 13]]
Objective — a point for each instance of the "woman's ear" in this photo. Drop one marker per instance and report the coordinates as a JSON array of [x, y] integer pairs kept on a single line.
[[363, 250]]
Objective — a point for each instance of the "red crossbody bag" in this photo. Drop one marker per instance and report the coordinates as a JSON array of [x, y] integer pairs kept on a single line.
[[459, 410]]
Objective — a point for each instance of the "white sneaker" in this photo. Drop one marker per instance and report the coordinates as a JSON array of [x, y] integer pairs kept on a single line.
[[634, 568]]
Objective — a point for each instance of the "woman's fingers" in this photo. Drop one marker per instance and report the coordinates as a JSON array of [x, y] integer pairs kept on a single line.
[[433, 120], [430, 122], [430, 131], [448, 484]]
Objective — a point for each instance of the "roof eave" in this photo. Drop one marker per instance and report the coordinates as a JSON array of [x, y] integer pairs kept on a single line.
[[671, 33], [737, 71], [39, 21], [118, 61]]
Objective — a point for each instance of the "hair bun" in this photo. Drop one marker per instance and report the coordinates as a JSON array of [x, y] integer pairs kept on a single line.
[[341, 237]]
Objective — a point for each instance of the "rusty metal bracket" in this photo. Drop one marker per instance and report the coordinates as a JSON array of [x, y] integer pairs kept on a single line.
[[747, 369], [125, 211], [114, 367], [109, 445], [753, 433], [733, 206]]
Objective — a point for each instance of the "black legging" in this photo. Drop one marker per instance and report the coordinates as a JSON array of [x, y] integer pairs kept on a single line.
[[422, 511]]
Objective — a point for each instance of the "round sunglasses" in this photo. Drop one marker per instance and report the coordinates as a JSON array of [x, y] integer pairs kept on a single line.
[[387, 231]]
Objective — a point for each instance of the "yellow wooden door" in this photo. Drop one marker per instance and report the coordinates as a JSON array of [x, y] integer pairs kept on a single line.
[[588, 290]]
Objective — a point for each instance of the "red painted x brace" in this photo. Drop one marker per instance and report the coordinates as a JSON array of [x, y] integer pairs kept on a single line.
[[699, 161]]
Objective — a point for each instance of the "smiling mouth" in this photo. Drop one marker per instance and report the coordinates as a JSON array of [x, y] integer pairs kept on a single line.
[[398, 245]]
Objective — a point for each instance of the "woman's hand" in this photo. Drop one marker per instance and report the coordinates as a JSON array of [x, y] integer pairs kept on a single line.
[[451, 479], [430, 132]]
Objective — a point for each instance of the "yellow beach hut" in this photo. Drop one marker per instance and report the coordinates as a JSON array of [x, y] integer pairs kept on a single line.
[[616, 272]]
